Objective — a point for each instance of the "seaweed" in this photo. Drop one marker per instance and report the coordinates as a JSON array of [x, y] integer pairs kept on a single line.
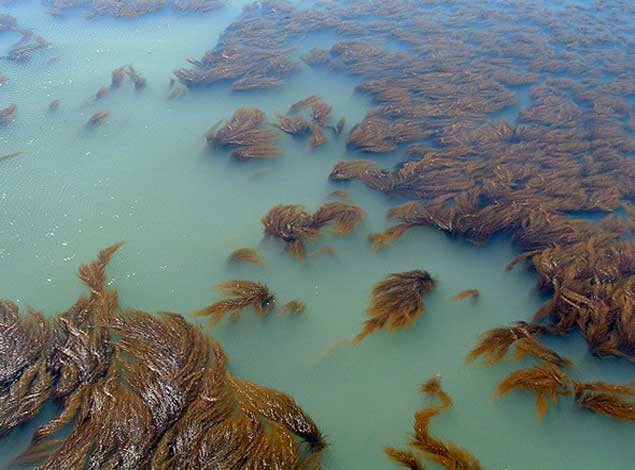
[[140, 391], [292, 306], [244, 133], [7, 114], [340, 194], [396, 301], [345, 216], [241, 294], [28, 43], [383, 239], [251, 54], [129, 8], [447, 454], [293, 125], [405, 458], [339, 127], [495, 343], [97, 119], [54, 105], [315, 56], [324, 250], [545, 380], [471, 293], [177, 92], [295, 227], [247, 255], [292, 226], [11, 155], [605, 399], [101, 93], [117, 76], [138, 80]]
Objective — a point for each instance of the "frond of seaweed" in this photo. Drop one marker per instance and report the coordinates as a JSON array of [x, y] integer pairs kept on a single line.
[[246, 255], [240, 295], [545, 380], [396, 301]]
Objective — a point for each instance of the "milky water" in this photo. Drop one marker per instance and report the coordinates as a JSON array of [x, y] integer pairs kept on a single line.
[[147, 177]]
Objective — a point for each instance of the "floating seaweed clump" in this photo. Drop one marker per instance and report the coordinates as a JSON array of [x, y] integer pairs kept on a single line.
[[101, 93], [138, 80], [605, 399], [316, 57], [464, 294], [295, 227], [315, 121], [545, 380], [140, 391], [117, 76], [495, 343], [244, 132], [447, 454], [28, 43], [242, 294], [292, 306], [11, 155], [128, 8], [6, 114], [247, 255], [396, 301], [97, 119], [340, 194], [252, 52], [293, 125]]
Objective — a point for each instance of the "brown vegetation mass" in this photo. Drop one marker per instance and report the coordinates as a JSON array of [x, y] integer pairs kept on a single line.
[[396, 301], [139, 391]]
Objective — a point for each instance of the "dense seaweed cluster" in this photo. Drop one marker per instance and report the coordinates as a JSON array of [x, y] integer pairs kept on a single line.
[[246, 134], [128, 8], [253, 52], [28, 43], [547, 379], [139, 391], [295, 227], [317, 119], [474, 175], [142, 391]]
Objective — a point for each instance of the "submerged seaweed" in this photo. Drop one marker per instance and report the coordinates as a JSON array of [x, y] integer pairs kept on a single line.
[[247, 255]]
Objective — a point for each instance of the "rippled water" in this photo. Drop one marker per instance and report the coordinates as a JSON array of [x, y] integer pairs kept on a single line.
[[147, 177]]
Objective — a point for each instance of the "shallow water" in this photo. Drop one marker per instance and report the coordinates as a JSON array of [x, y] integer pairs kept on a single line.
[[147, 177]]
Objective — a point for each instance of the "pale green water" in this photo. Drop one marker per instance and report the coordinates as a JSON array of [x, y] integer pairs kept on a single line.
[[147, 177]]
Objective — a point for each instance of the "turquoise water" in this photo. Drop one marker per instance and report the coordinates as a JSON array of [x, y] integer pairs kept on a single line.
[[147, 177]]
